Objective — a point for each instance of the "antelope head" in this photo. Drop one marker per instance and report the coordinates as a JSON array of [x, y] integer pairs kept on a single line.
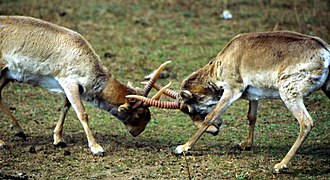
[[200, 95], [134, 113], [197, 97]]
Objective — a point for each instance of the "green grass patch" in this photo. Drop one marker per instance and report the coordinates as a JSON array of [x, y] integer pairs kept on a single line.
[[140, 35]]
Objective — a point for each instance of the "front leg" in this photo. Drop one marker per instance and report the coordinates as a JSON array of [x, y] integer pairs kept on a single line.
[[252, 118], [227, 98], [3, 145], [72, 93]]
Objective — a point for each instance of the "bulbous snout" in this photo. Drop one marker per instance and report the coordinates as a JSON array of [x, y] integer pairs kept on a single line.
[[134, 130], [139, 121], [198, 119]]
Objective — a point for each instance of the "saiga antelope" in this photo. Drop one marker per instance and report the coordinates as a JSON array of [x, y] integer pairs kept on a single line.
[[255, 66], [41, 53]]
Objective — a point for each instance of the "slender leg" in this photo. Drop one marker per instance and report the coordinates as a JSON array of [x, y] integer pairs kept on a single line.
[[327, 93], [58, 139], [3, 145], [213, 128], [326, 87], [297, 107], [227, 98], [326, 90], [252, 117], [19, 131], [72, 93]]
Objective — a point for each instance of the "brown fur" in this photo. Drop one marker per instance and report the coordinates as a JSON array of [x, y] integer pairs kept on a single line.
[[256, 66], [41, 53]]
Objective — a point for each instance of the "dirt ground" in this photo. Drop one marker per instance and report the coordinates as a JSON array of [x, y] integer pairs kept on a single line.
[[135, 37]]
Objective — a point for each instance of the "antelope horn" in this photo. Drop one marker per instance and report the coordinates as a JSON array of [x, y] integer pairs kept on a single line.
[[154, 78], [161, 92], [156, 103], [168, 92]]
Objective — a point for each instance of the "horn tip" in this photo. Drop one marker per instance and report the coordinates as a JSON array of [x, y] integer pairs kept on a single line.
[[167, 62], [130, 96]]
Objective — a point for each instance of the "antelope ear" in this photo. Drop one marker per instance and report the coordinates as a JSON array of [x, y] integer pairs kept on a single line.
[[124, 108], [130, 85], [186, 95], [136, 89], [3, 67], [3, 70]]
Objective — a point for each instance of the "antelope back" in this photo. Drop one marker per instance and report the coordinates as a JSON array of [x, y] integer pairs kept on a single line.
[[254, 64], [45, 49], [40, 53]]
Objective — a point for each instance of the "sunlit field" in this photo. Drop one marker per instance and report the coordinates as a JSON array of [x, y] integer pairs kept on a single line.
[[132, 39]]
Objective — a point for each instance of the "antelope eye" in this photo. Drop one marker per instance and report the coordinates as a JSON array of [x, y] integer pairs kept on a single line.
[[199, 96], [131, 100], [186, 94]]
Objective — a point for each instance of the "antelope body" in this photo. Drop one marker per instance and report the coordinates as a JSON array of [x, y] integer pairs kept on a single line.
[[40, 53], [255, 66]]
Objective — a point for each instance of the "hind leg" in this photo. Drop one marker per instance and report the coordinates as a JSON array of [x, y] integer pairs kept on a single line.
[[298, 109], [252, 117], [292, 90], [19, 131], [58, 139], [327, 93], [2, 145], [326, 88]]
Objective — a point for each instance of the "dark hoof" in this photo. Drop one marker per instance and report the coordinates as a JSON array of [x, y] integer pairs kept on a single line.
[[4, 147], [32, 149], [21, 135], [99, 154], [60, 145], [214, 133], [239, 147], [275, 171], [67, 153], [176, 153], [248, 148]]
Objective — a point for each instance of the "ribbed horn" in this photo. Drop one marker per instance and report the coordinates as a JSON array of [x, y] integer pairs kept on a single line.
[[161, 92], [154, 78], [168, 92], [156, 103]]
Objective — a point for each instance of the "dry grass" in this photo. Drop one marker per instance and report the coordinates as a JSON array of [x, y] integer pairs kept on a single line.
[[139, 35]]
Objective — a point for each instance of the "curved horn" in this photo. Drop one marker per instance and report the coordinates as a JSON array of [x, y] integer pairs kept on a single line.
[[168, 92], [156, 103], [154, 78], [161, 92]]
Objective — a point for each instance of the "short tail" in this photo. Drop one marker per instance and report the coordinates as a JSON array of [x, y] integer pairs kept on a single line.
[[326, 85], [321, 42]]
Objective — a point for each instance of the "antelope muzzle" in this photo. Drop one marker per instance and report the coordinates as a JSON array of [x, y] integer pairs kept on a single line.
[[180, 102]]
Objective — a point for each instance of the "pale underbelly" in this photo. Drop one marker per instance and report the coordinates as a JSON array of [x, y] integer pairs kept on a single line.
[[48, 82], [253, 93]]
